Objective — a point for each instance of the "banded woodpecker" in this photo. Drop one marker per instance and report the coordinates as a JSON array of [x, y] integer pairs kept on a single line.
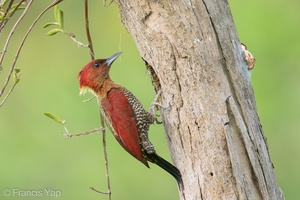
[[123, 114]]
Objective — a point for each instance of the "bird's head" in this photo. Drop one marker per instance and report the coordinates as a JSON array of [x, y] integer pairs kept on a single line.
[[95, 73]]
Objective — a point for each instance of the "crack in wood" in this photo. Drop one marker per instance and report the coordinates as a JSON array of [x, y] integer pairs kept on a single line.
[[246, 169]]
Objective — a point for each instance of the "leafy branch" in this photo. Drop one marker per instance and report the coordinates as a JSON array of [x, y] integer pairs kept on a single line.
[[59, 28], [16, 79], [59, 23], [92, 54], [9, 37], [67, 135], [7, 9]]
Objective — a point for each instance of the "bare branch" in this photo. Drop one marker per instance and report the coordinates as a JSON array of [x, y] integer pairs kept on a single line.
[[72, 36], [68, 136], [92, 188], [88, 34], [90, 99]]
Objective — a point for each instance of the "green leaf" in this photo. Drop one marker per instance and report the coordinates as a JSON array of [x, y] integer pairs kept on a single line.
[[16, 75], [50, 24], [1, 18], [3, 3], [54, 117], [56, 12], [16, 78], [60, 18], [15, 5], [20, 8], [54, 31], [17, 70]]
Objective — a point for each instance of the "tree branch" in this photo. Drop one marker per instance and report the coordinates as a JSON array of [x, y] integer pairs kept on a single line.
[[92, 54]]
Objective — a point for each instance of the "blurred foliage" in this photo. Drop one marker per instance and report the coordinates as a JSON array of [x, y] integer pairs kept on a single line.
[[34, 154]]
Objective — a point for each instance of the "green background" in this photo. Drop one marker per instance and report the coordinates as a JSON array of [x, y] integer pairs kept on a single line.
[[33, 153]]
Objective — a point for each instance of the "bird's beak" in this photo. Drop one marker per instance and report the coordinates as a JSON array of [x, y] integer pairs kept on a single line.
[[111, 59]]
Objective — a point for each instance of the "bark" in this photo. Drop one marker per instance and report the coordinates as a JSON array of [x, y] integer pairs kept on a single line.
[[193, 53]]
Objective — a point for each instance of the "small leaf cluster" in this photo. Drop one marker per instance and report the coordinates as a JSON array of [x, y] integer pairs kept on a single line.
[[59, 22], [5, 13], [17, 73]]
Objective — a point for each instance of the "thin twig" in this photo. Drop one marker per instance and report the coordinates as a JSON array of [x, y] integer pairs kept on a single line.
[[72, 36], [65, 127], [105, 157], [68, 136], [90, 99], [111, 2], [7, 42], [24, 39], [9, 92], [87, 29], [89, 38], [92, 188], [104, 2]]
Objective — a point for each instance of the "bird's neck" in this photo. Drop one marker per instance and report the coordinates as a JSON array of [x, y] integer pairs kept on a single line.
[[102, 89]]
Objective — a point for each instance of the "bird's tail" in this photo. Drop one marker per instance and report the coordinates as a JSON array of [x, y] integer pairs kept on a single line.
[[154, 158]]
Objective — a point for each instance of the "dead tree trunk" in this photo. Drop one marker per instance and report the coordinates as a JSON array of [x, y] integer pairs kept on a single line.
[[194, 56]]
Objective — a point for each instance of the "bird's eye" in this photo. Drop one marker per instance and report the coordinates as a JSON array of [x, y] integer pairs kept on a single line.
[[96, 65]]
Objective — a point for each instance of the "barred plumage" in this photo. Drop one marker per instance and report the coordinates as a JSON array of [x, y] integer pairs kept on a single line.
[[124, 114], [143, 120]]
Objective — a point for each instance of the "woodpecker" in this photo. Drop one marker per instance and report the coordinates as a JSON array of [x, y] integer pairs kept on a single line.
[[123, 114]]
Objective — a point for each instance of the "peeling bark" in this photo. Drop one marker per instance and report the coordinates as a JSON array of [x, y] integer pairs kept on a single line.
[[193, 53]]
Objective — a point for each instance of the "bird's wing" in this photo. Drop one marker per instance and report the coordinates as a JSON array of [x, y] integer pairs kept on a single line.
[[122, 119]]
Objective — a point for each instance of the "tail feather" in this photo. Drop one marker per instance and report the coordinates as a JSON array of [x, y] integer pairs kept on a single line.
[[171, 169]]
